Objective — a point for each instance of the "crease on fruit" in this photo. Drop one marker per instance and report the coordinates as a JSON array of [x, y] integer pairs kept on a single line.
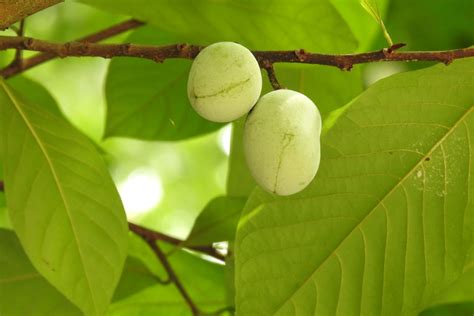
[[223, 91], [286, 140]]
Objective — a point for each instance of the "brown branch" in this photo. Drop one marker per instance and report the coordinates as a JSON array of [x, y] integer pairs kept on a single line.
[[95, 37], [160, 53], [2, 186], [272, 76], [151, 234], [14, 11], [169, 269], [17, 61]]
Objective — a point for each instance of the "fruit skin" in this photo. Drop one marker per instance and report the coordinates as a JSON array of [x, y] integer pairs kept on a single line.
[[224, 82], [282, 141]]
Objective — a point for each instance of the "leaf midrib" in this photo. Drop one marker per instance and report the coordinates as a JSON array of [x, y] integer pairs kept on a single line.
[[56, 181], [358, 226]]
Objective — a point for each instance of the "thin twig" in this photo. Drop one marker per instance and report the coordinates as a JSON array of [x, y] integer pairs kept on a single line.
[[2, 186], [272, 76], [93, 38], [160, 53], [171, 274], [18, 54], [151, 234]]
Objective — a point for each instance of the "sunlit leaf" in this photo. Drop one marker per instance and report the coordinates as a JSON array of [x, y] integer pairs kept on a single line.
[[361, 23], [386, 226], [36, 93], [371, 7], [62, 203]]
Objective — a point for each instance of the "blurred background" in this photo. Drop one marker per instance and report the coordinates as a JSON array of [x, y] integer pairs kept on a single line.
[[166, 184]]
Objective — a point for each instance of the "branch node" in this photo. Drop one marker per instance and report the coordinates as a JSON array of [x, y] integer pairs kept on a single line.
[[395, 47], [346, 67], [301, 55], [447, 61], [63, 51], [125, 48]]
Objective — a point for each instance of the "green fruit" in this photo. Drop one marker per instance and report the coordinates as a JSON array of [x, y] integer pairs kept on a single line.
[[281, 141], [224, 82]]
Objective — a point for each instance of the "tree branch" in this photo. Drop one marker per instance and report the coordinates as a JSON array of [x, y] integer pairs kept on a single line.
[[160, 53], [13, 11], [19, 52], [154, 235], [171, 274], [272, 76], [95, 37]]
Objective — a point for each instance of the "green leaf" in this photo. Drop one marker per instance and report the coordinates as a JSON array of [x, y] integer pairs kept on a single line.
[[239, 180], [372, 8], [62, 203], [147, 100], [217, 222], [37, 94], [135, 277], [309, 24], [321, 84], [203, 281], [22, 289], [361, 24], [386, 226], [465, 309], [449, 24]]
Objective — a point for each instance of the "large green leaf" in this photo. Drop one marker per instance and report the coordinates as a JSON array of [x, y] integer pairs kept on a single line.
[[22, 289], [62, 203], [217, 222], [277, 24], [148, 100], [386, 226]]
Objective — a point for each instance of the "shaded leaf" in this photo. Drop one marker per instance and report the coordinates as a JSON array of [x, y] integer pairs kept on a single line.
[[135, 277], [463, 309], [255, 24], [22, 289], [386, 226], [62, 203], [217, 222], [147, 100], [203, 280]]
